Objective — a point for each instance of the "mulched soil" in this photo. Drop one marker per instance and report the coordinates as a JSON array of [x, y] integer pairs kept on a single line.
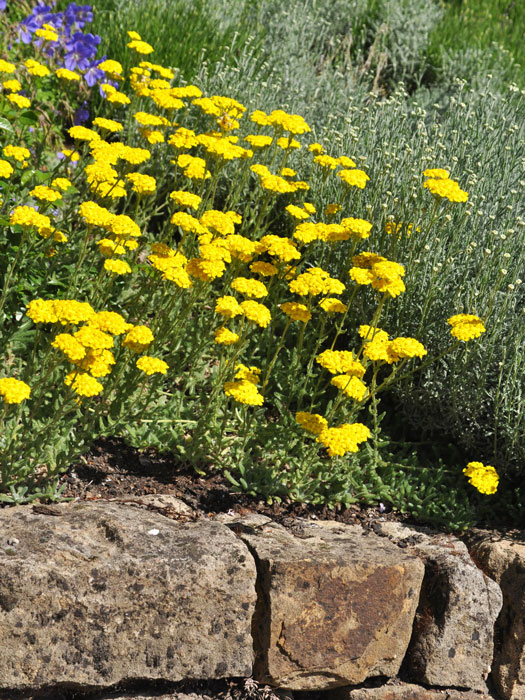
[[115, 471]]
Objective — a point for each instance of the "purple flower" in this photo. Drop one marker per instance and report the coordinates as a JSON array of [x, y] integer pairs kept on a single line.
[[3, 5], [81, 115]]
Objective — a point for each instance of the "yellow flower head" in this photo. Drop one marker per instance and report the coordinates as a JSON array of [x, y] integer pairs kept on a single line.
[[296, 311], [466, 326], [68, 75], [344, 438], [484, 478], [83, 384], [151, 365], [223, 336], [138, 338], [14, 390], [312, 422]]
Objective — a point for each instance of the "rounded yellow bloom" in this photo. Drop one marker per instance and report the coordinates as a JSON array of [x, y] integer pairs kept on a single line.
[[18, 153], [346, 162], [71, 311], [345, 438], [62, 183], [354, 178], [35, 68], [218, 221], [6, 169], [282, 248], [123, 226], [255, 312], [316, 148], [118, 98], [466, 326], [83, 384], [188, 223], [245, 392], [351, 386], [357, 227], [446, 189], [259, 140], [249, 287], [110, 322], [402, 348], [92, 337], [228, 307], [108, 124], [263, 268], [47, 32], [296, 311], [340, 362], [484, 478], [95, 215], [138, 338], [118, 267], [14, 390], [69, 75], [113, 68], [437, 173], [141, 47], [28, 217], [82, 133], [326, 161], [186, 200], [6, 67], [312, 422], [332, 209], [19, 100], [45, 194], [12, 85], [147, 119], [223, 336], [293, 123], [370, 333], [97, 362], [42, 311], [70, 346], [332, 306], [151, 365], [297, 212], [142, 184]]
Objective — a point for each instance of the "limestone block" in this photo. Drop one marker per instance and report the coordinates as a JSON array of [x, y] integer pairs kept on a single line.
[[503, 559], [335, 605], [107, 592], [453, 639], [405, 691]]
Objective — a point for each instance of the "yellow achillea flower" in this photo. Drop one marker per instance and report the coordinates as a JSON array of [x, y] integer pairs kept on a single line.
[[165, 100], [95, 215], [27, 217], [72, 311], [259, 140], [228, 307], [353, 387], [312, 422], [132, 155], [205, 270], [186, 200], [97, 362], [108, 124], [62, 183], [192, 167], [244, 392], [147, 119], [35, 68], [340, 362], [332, 209], [100, 172], [110, 322], [187, 223], [118, 267], [316, 281], [263, 268], [118, 98], [72, 156], [6, 67], [404, 348], [370, 333], [357, 227], [138, 338], [297, 212], [393, 228], [6, 169], [288, 172], [333, 306], [142, 184], [282, 248], [113, 189], [14, 390], [296, 311], [218, 221], [484, 478], [47, 32], [113, 68], [326, 161], [255, 312], [152, 136], [344, 438], [152, 365], [384, 275], [346, 162], [437, 173], [288, 142], [123, 226], [249, 287], [316, 148], [223, 336], [466, 326], [69, 75], [12, 85], [140, 46], [354, 178], [92, 337], [70, 346], [83, 384], [446, 189], [82, 133], [183, 139], [19, 100], [42, 311], [293, 123], [46, 194]]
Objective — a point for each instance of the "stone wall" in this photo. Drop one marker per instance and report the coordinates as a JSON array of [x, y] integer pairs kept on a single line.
[[93, 595]]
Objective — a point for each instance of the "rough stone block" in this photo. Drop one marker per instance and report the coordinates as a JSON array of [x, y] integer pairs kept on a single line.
[[503, 559], [405, 691], [453, 639], [335, 605], [108, 592]]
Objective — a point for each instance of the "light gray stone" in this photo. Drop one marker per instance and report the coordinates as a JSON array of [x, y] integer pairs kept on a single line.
[[405, 691], [105, 592], [335, 605], [453, 637], [503, 559]]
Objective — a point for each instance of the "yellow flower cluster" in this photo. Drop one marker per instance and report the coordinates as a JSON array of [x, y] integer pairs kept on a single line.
[[353, 387], [296, 311], [312, 422], [223, 336], [340, 362], [244, 390], [344, 438], [83, 384], [466, 326], [138, 339], [249, 287], [384, 275], [316, 281], [484, 478], [142, 184], [379, 348], [151, 365], [28, 217], [444, 188], [14, 390]]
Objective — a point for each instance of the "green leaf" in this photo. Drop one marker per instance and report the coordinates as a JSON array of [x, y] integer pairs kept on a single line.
[[28, 118], [5, 125]]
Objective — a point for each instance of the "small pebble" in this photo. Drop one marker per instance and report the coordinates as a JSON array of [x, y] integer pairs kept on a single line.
[[153, 532]]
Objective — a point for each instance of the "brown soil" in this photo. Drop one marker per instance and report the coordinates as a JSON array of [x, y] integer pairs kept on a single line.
[[115, 471]]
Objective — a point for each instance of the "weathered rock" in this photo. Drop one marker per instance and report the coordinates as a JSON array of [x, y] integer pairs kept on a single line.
[[167, 502], [107, 592], [404, 691], [503, 559], [453, 637], [335, 606]]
